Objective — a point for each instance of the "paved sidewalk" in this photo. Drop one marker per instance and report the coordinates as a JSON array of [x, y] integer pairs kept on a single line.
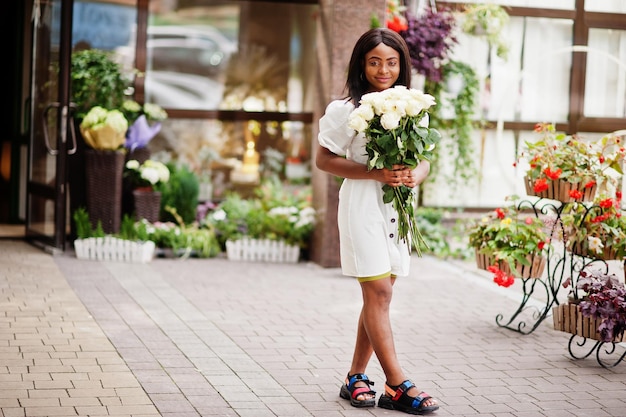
[[209, 337]]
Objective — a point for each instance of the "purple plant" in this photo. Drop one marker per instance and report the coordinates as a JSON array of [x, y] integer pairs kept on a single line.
[[429, 38], [605, 300]]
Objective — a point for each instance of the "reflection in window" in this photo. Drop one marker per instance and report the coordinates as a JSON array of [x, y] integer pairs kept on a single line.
[[605, 84], [256, 56]]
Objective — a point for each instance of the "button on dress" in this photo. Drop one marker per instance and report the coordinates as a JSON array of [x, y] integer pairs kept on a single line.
[[368, 228]]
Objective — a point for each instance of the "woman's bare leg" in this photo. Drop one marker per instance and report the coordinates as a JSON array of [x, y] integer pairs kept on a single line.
[[375, 323]]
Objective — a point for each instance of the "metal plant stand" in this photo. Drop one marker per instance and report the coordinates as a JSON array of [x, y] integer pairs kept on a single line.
[[561, 266]]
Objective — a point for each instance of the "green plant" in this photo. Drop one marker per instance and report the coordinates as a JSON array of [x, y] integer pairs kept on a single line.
[[558, 156], [275, 213], [487, 20], [84, 229], [597, 229], [460, 122], [96, 80], [181, 192], [507, 235], [82, 222]]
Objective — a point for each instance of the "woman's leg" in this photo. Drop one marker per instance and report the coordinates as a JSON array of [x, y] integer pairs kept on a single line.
[[377, 326]]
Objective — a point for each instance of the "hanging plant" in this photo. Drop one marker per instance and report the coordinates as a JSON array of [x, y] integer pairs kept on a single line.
[[487, 20], [429, 38], [460, 126]]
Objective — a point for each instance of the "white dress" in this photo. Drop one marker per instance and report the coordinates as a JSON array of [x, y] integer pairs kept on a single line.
[[368, 228]]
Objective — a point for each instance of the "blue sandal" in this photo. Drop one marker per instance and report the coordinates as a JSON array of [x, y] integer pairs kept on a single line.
[[396, 398], [351, 392]]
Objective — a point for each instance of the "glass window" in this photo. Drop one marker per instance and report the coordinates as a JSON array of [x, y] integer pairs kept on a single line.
[[608, 6], [103, 24], [204, 54], [605, 83], [554, 4], [532, 84]]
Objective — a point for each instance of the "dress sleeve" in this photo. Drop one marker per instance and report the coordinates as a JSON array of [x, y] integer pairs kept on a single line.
[[334, 133]]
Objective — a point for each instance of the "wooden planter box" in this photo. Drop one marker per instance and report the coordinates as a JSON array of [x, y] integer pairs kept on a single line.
[[534, 270], [559, 190], [113, 249], [262, 250], [568, 318], [582, 249]]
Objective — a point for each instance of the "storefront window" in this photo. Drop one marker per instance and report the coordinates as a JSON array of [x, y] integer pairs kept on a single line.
[[208, 55]]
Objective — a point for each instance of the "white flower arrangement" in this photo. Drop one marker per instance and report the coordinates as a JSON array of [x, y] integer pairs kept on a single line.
[[396, 123], [149, 174]]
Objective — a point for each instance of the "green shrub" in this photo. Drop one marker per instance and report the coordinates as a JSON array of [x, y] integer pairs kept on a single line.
[[180, 192]]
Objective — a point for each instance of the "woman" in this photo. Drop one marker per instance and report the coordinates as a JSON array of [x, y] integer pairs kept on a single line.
[[369, 248]]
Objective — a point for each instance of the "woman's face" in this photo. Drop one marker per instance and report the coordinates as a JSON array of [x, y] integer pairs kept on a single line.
[[382, 67]]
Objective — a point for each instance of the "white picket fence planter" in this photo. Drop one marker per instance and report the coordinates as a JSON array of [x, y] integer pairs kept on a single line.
[[110, 248], [263, 250]]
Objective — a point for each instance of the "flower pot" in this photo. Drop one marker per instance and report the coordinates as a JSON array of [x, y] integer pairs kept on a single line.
[[582, 249], [113, 249], [534, 270], [103, 173], [568, 318], [559, 190], [147, 204]]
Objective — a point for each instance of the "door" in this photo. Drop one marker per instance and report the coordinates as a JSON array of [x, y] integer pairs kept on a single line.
[[51, 138]]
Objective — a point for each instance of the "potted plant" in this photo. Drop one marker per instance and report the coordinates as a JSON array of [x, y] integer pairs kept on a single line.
[[273, 226], [147, 180], [429, 38], [103, 131], [96, 80], [595, 230], [93, 243], [568, 168], [487, 20], [510, 244], [597, 309]]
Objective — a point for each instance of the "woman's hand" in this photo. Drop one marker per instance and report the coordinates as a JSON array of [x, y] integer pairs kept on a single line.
[[397, 176], [403, 175]]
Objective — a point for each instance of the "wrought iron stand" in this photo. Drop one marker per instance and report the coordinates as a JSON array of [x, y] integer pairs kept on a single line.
[[559, 265]]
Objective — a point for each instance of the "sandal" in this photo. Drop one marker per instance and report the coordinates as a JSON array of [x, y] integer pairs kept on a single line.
[[396, 398], [351, 392]]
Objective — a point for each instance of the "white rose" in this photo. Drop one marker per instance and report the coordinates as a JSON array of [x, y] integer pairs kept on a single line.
[[390, 120], [357, 122]]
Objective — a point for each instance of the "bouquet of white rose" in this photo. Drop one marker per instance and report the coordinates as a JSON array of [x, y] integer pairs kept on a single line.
[[396, 123]]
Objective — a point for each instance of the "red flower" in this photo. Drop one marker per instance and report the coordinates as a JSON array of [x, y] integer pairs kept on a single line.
[[500, 213], [575, 194], [590, 184], [606, 203], [528, 221], [553, 175], [618, 195], [541, 245], [540, 185], [500, 277], [397, 24]]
